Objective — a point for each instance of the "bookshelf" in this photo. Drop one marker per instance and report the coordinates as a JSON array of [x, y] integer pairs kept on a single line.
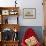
[[9, 20]]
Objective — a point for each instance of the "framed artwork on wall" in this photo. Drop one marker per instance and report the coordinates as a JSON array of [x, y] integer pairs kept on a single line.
[[29, 13]]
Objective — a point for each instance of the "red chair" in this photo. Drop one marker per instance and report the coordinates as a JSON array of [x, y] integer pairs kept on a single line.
[[29, 33]]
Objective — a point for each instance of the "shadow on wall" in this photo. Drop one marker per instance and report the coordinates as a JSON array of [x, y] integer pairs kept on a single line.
[[37, 29]]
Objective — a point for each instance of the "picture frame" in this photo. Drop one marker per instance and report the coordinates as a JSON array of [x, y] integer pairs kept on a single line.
[[5, 12], [29, 13]]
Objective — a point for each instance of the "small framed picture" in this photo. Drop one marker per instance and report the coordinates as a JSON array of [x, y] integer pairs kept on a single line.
[[29, 13], [5, 12]]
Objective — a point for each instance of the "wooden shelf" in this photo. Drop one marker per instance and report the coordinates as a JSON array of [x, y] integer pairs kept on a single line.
[[9, 43], [11, 26], [5, 12], [4, 24]]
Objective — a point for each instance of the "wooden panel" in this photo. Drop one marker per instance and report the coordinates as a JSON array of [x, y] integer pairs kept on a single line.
[[44, 37], [11, 26], [44, 6], [5, 8], [0, 43], [10, 43]]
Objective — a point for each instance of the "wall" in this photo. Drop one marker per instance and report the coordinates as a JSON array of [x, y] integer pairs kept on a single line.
[[27, 4], [39, 13], [36, 23]]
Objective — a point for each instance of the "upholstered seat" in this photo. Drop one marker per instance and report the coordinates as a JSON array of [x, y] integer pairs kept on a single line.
[[29, 36]]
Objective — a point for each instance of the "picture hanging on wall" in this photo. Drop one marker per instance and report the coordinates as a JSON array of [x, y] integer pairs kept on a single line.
[[29, 13]]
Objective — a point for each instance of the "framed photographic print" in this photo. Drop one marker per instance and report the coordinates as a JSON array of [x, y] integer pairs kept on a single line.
[[5, 12], [29, 13]]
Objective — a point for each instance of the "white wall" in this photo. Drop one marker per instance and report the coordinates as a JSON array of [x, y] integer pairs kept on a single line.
[[39, 13], [27, 4]]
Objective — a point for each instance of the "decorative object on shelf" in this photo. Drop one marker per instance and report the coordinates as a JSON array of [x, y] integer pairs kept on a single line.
[[15, 34], [29, 13], [7, 34], [15, 3], [5, 12], [6, 21], [13, 12], [15, 30], [15, 37]]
